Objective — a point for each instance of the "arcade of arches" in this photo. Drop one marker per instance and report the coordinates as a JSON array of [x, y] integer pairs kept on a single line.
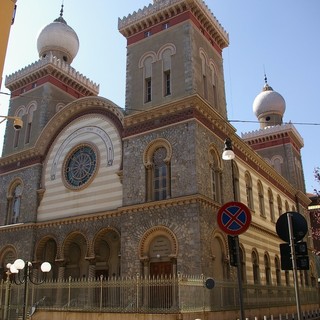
[[77, 257]]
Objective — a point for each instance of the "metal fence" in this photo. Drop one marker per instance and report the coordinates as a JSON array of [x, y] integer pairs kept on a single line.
[[179, 294]]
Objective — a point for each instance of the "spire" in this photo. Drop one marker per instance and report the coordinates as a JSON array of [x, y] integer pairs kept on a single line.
[[61, 11], [60, 19], [266, 86]]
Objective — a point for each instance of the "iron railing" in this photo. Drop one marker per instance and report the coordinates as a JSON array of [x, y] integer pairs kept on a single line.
[[178, 294]]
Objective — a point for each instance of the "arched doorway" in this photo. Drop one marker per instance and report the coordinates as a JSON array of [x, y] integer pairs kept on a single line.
[[8, 256], [158, 252], [47, 251], [107, 253], [75, 251]]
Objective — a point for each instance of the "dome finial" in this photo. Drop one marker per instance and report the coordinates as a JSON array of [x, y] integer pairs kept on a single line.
[[266, 86], [60, 19], [61, 10]]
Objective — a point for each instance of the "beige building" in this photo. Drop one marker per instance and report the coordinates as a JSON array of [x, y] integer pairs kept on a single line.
[[6, 19], [134, 192]]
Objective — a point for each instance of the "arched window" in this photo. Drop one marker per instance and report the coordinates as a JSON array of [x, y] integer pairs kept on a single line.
[[215, 173], [157, 159], [278, 271], [248, 183], [14, 203], [165, 53], [204, 63], [279, 202], [301, 277], [276, 162], [261, 199], [236, 183], [31, 108], [267, 269], [271, 205], [286, 205], [255, 268], [160, 174], [243, 265], [214, 85], [146, 63], [299, 179]]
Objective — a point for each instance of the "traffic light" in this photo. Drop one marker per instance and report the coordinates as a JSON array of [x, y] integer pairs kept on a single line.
[[232, 250], [302, 256], [301, 252]]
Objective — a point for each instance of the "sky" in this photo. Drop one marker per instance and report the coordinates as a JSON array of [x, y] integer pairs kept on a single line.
[[279, 38]]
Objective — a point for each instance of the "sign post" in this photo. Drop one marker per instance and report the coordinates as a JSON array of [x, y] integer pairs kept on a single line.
[[291, 227], [294, 264], [234, 218]]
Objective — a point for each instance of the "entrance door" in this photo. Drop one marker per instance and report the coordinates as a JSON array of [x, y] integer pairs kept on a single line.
[[160, 285], [158, 269]]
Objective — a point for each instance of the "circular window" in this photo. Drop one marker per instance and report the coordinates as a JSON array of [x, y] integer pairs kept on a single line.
[[80, 166]]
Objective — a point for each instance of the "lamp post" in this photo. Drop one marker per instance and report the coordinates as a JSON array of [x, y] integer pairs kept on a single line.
[[7, 294], [22, 271], [228, 155]]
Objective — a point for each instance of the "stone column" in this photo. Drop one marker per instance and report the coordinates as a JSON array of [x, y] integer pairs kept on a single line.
[[92, 269], [61, 274], [91, 281], [61, 269]]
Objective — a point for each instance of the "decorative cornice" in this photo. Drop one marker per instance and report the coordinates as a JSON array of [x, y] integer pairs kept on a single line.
[[163, 10], [154, 205], [191, 107], [274, 131], [16, 227], [55, 67]]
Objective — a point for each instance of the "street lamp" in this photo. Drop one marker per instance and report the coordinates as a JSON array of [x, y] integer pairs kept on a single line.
[[26, 276], [228, 154], [17, 122]]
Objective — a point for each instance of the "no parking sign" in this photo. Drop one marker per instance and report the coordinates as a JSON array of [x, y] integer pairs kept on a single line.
[[234, 218]]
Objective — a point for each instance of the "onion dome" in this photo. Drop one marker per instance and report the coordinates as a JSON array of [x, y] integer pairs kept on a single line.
[[59, 39], [269, 107]]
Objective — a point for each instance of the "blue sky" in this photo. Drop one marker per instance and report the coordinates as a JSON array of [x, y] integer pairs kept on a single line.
[[280, 38]]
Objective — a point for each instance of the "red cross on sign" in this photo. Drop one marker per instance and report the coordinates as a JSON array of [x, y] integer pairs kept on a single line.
[[234, 218]]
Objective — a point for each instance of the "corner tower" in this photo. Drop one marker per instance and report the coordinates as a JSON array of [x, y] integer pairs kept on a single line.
[[174, 50], [41, 89], [278, 143]]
